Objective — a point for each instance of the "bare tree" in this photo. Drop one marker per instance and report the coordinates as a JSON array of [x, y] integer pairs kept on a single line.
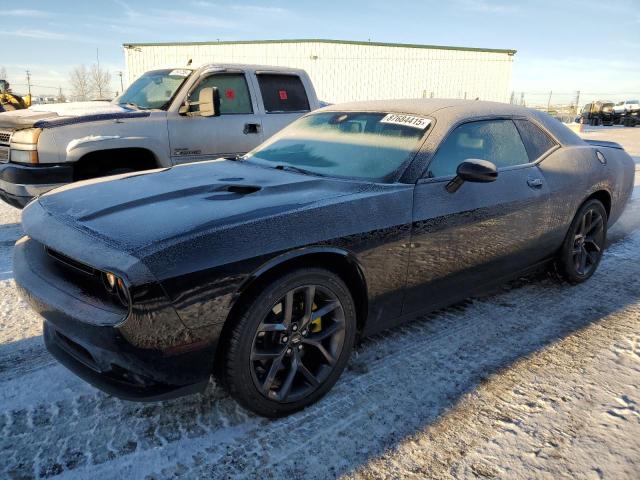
[[100, 81], [3, 73], [80, 83]]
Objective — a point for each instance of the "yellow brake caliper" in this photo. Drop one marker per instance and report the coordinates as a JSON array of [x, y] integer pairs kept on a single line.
[[316, 324]]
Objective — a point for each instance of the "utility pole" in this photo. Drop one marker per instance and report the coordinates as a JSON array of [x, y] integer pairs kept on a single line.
[[29, 81], [121, 85], [577, 101], [549, 101]]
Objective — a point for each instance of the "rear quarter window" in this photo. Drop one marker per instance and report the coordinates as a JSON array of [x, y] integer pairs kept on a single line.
[[535, 140], [283, 93]]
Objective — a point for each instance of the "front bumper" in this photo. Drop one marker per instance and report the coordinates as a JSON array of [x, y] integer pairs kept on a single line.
[[88, 340], [21, 183]]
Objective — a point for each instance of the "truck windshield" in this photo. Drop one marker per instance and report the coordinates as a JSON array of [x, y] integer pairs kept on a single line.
[[362, 145], [154, 89]]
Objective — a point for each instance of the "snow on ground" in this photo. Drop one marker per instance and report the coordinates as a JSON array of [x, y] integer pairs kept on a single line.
[[537, 380]]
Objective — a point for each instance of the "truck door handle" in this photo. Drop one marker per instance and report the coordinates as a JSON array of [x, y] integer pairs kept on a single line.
[[251, 128], [535, 182]]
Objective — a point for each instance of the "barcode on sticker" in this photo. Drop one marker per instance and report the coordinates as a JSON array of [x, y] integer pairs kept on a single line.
[[406, 120], [180, 73]]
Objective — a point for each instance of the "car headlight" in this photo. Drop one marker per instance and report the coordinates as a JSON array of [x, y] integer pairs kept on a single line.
[[116, 287], [27, 136]]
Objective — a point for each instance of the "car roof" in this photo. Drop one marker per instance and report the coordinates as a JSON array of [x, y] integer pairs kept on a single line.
[[453, 111], [431, 107]]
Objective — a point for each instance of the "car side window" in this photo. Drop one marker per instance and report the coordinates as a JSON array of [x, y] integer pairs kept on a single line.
[[497, 141], [283, 93], [536, 141], [233, 90]]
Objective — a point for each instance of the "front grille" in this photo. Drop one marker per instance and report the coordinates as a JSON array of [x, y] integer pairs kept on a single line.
[[5, 137], [70, 262], [77, 351]]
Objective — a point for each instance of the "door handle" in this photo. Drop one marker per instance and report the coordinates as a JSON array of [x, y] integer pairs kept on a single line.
[[251, 128], [535, 182]]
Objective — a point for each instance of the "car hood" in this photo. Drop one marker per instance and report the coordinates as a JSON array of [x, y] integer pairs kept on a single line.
[[151, 211], [57, 114]]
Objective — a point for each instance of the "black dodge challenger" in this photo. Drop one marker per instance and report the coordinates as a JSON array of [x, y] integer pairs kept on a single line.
[[265, 269]]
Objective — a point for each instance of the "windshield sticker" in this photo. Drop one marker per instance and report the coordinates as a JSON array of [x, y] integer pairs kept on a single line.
[[407, 120], [180, 73]]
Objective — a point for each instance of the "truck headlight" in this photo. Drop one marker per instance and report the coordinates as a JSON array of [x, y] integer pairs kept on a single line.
[[27, 136], [24, 145], [24, 156]]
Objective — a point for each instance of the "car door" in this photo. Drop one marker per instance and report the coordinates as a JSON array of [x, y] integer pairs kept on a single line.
[[484, 231], [237, 130]]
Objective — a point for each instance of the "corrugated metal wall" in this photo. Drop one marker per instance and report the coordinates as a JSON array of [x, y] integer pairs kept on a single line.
[[344, 72]]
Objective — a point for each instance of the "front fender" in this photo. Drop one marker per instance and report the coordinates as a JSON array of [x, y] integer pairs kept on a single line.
[[298, 254], [79, 147]]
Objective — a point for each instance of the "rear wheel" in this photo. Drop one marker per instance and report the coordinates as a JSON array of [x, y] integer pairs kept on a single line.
[[585, 242], [290, 343]]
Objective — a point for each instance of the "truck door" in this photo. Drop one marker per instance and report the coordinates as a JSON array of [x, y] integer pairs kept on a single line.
[[284, 99], [237, 130]]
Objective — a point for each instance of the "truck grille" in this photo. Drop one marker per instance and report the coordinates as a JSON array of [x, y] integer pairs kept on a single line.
[[5, 137]]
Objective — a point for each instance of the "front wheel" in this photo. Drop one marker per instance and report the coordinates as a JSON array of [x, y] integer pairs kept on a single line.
[[585, 242], [290, 343]]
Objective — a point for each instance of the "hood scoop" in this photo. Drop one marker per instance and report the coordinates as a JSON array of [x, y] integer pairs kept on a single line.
[[229, 192]]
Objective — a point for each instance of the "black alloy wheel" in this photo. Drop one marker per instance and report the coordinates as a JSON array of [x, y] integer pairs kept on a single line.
[[297, 343], [585, 243], [290, 343]]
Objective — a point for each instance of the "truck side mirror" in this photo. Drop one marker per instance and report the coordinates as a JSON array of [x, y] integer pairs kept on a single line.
[[209, 102]]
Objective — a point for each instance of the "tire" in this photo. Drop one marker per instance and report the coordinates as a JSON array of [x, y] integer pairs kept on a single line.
[[584, 244], [262, 342]]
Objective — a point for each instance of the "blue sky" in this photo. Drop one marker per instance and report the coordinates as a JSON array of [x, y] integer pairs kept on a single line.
[[568, 45]]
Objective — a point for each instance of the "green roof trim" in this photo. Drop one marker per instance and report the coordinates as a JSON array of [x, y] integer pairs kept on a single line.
[[321, 40]]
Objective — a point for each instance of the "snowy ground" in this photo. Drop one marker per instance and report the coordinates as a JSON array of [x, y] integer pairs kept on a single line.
[[537, 380]]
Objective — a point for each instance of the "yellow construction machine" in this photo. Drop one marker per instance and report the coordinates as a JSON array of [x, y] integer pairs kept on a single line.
[[10, 101]]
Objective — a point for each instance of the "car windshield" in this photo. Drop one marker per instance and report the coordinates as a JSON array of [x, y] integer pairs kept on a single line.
[[362, 145], [153, 89]]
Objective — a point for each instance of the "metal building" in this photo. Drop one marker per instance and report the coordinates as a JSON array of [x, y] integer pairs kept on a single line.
[[348, 70]]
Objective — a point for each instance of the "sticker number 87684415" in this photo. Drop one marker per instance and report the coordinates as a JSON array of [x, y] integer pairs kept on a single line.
[[406, 120]]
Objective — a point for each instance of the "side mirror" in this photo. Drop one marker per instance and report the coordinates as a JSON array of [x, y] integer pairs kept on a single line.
[[473, 170], [209, 102]]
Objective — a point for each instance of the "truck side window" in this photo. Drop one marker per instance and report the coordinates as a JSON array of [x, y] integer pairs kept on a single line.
[[283, 93], [233, 89]]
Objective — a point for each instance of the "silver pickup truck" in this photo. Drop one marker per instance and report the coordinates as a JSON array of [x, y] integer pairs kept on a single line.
[[165, 117]]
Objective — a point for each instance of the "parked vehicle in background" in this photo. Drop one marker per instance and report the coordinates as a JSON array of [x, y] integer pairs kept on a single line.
[[164, 118], [265, 270], [627, 113], [597, 113], [626, 106]]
